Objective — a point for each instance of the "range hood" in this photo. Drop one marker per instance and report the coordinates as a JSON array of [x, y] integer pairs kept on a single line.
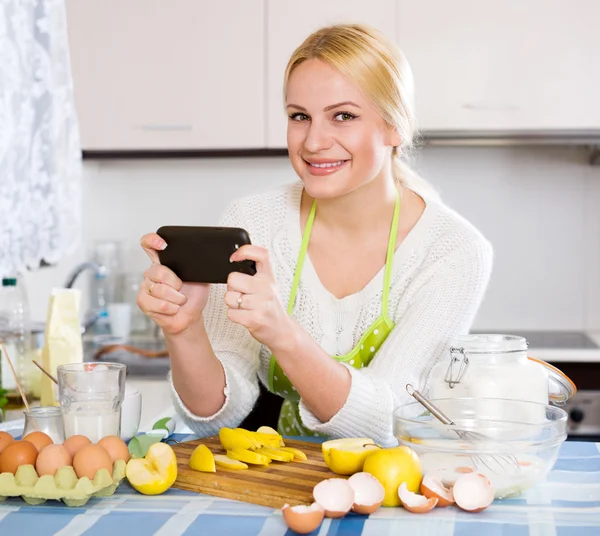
[[589, 139]]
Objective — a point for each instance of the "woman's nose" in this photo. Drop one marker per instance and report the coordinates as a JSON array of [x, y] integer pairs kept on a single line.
[[317, 138]]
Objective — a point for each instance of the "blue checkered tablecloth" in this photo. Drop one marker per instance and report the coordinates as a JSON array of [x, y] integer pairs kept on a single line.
[[568, 503]]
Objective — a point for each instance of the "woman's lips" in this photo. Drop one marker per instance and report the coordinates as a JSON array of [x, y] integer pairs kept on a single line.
[[325, 168]]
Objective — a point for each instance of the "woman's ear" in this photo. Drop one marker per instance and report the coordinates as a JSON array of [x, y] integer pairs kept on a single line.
[[394, 138]]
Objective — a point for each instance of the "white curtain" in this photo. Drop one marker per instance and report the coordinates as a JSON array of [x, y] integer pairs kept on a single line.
[[40, 158]]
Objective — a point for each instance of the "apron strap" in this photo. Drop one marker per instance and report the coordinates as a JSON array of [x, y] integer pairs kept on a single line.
[[301, 256], [388, 260], [390, 257]]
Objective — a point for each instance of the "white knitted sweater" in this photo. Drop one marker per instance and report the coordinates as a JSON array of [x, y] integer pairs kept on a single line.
[[440, 273]]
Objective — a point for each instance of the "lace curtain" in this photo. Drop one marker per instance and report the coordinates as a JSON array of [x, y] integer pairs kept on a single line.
[[40, 158]]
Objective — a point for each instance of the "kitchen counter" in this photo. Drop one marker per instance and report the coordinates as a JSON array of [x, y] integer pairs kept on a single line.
[[568, 503]]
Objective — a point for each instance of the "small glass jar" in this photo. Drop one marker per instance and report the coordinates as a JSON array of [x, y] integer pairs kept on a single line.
[[497, 366], [47, 419]]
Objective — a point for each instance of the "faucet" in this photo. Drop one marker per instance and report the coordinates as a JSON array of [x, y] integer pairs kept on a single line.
[[99, 270]]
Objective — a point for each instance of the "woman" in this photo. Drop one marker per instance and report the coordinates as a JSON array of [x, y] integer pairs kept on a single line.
[[363, 275]]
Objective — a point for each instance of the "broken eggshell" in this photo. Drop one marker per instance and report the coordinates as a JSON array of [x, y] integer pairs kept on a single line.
[[303, 519], [417, 504], [432, 487], [473, 492], [368, 493], [335, 495]]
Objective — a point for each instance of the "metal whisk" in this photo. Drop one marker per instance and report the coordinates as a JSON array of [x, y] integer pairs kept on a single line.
[[497, 463]]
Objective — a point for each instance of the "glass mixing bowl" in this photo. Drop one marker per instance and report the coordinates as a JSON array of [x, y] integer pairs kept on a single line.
[[514, 443]]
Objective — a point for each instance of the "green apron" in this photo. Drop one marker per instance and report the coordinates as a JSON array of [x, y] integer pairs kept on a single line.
[[360, 356]]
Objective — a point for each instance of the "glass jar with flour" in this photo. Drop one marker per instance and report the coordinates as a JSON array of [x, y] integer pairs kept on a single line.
[[497, 366]]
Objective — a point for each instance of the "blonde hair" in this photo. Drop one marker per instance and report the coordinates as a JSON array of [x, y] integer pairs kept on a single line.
[[378, 66]]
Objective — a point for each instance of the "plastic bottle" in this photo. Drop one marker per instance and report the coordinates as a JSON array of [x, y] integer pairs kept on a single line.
[[15, 333], [106, 255], [99, 302]]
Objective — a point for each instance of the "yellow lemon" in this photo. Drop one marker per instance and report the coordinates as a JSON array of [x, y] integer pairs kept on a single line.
[[392, 467], [202, 459], [227, 463], [155, 473], [346, 456]]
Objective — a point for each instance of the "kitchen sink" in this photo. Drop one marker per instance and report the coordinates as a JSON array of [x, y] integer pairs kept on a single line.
[[137, 365]]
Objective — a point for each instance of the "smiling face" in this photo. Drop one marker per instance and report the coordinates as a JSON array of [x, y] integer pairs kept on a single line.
[[336, 138]]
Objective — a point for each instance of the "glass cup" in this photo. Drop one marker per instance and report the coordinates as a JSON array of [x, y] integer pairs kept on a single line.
[[46, 419], [91, 396]]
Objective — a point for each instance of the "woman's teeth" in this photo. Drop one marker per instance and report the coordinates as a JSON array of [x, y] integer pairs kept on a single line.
[[328, 164]]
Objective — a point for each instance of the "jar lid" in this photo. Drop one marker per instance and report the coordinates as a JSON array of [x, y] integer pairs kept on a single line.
[[476, 343], [560, 386]]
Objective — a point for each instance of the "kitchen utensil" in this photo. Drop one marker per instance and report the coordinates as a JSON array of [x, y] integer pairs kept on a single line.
[[91, 395], [494, 463], [533, 442], [45, 371], [273, 485]]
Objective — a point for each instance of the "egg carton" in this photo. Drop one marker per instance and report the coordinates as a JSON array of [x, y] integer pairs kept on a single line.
[[64, 486]]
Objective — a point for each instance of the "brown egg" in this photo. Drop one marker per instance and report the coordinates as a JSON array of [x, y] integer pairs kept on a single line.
[[303, 519], [74, 443], [15, 454], [39, 440], [51, 459], [5, 439], [90, 459], [116, 448]]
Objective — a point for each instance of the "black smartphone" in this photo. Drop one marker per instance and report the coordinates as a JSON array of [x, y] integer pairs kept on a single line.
[[201, 254]]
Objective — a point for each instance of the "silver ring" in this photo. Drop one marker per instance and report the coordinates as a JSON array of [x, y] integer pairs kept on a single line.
[[240, 300]]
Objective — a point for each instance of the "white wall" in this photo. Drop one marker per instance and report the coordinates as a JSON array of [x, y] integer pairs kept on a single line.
[[537, 206]]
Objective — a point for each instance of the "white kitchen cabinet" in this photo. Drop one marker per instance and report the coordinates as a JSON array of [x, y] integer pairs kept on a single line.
[[182, 74], [289, 23], [511, 65]]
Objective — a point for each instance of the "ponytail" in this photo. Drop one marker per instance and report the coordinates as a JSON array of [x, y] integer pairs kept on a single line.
[[406, 176]]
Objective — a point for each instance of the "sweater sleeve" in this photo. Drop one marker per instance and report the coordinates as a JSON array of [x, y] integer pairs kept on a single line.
[[443, 307], [238, 353]]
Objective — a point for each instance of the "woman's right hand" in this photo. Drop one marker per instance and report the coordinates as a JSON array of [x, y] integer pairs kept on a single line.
[[171, 304]]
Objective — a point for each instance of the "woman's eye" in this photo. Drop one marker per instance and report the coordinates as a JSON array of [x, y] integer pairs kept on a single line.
[[298, 116], [344, 116]]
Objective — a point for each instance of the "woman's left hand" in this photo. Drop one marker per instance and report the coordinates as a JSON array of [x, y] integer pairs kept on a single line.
[[253, 302]]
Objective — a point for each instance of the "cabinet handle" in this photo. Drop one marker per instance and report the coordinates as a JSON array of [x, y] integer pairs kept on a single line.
[[165, 127], [499, 107]]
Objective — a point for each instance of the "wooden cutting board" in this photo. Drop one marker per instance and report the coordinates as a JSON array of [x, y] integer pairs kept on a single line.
[[274, 486]]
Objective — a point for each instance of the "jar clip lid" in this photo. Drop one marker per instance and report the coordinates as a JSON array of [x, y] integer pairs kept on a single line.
[[459, 363]]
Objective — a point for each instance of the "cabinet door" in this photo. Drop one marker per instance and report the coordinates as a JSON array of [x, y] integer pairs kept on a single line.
[[508, 65], [289, 23], [182, 74]]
